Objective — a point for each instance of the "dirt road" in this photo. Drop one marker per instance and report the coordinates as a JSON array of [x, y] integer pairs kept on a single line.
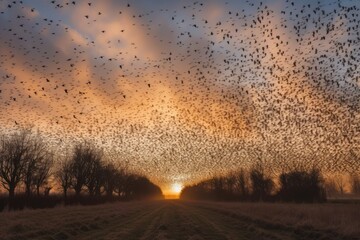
[[146, 220]]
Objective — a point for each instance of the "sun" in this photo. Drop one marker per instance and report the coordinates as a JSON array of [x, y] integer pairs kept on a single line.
[[176, 188]]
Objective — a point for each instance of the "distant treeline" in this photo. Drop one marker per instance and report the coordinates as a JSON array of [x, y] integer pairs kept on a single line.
[[84, 177], [255, 185]]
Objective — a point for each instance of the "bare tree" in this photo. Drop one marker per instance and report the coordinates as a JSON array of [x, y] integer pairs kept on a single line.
[[29, 169], [94, 175], [340, 183], [42, 172], [120, 180], [13, 159], [64, 175], [261, 184], [242, 184], [302, 186], [110, 178], [230, 181], [335, 185], [331, 187], [85, 167], [355, 183], [37, 165]]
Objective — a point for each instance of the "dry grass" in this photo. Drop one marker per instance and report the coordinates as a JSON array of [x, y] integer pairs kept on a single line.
[[63, 222], [173, 219], [340, 218]]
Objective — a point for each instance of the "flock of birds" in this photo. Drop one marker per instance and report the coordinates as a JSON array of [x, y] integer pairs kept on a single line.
[[182, 90]]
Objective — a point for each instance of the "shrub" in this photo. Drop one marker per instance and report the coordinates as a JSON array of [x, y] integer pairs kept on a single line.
[[302, 186]]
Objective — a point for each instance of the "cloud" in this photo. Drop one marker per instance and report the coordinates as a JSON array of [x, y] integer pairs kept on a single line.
[[172, 86]]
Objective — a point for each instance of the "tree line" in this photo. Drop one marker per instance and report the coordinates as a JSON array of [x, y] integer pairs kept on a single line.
[[27, 162], [256, 184]]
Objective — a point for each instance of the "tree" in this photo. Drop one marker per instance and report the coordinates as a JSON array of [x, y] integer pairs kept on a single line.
[[230, 181], [142, 188], [111, 176], [38, 163], [217, 184], [129, 183], [335, 185], [261, 185], [64, 175], [29, 168], [242, 184], [85, 168], [119, 181], [14, 157], [79, 167], [94, 176], [331, 187], [355, 183], [42, 172], [340, 184], [302, 186]]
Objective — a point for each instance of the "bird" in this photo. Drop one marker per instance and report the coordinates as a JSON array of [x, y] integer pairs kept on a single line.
[[173, 85]]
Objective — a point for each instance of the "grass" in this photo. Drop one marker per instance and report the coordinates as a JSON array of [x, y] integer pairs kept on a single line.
[[340, 218], [175, 219]]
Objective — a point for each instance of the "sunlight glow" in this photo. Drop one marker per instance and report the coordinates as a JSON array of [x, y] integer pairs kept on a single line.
[[176, 188]]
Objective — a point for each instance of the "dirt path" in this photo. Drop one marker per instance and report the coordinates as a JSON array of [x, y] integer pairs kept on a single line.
[[146, 220]]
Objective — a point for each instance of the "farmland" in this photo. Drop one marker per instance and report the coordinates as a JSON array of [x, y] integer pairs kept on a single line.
[[176, 219]]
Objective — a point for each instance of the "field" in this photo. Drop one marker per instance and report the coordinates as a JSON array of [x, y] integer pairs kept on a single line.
[[175, 219]]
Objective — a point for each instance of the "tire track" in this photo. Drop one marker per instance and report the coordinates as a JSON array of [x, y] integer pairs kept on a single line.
[[262, 228], [129, 226], [158, 220]]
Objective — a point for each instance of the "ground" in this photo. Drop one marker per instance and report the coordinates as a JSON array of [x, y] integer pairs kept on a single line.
[[175, 219]]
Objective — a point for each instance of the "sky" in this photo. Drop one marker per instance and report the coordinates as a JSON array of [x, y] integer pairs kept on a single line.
[[183, 90]]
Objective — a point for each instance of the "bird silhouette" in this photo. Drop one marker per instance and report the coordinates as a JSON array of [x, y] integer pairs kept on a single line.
[[187, 89]]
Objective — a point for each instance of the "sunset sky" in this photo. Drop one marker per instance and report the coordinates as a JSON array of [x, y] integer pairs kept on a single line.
[[182, 90]]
